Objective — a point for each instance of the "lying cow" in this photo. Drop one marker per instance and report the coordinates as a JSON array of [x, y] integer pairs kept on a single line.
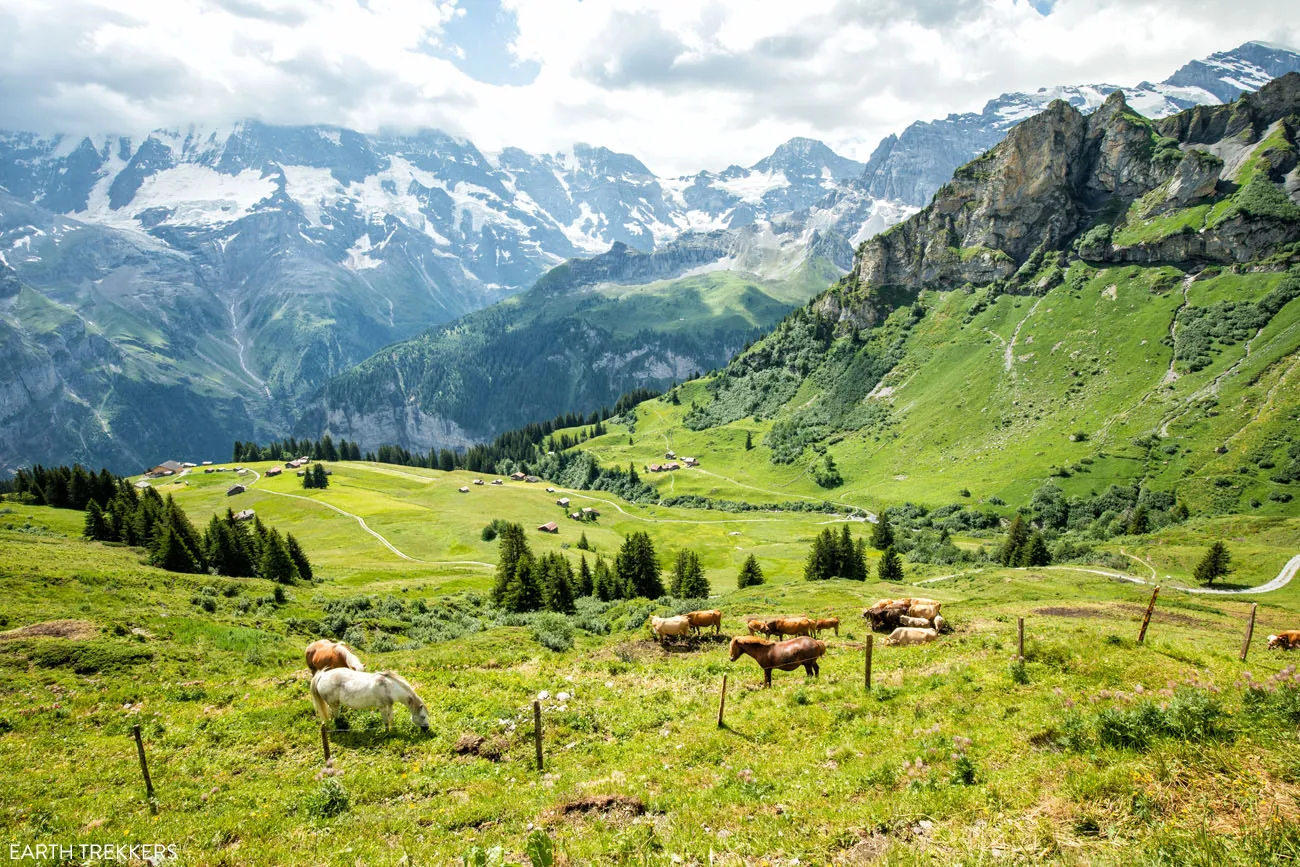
[[905, 636], [670, 627], [1288, 640], [918, 622], [885, 614], [703, 619]]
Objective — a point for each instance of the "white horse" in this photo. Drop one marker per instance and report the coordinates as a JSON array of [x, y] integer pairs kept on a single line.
[[343, 687]]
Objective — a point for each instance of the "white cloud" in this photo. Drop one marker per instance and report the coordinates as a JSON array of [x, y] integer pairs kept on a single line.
[[683, 85]]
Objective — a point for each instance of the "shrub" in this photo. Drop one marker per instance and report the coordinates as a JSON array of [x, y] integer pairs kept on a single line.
[[328, 800], [553, 631]]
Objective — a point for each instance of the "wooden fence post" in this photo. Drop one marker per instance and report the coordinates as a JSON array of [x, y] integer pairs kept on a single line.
[[722, 703], [1250, 631], [866, 663], [1020, 639], [537, 731], [144, 768], [1146, 619], [325, 740]]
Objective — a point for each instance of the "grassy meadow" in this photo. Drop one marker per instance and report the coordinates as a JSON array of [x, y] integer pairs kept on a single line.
[[1093, 751]]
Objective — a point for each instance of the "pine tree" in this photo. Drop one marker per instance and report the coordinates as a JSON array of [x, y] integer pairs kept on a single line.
[[299, 557], [631, 473], [821, 563], [749, 441], [637, 569], [751, 574], [891, 566], [862, 569], [586, 586], [276, 564], [882, 535], [1214, 565], [1140, 523], [521, 591], [1017, 536], [319, 479], [553, 577], [603, 584], [1034, 552], [97, 527], [171, 553], [688, 581], [583, 544], [512, 548]]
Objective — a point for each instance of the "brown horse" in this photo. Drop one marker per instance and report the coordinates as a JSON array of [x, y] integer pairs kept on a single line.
[[325, 654], [785, 655]]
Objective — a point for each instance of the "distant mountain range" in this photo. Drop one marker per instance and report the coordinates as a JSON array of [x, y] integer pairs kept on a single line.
[[170, 294]]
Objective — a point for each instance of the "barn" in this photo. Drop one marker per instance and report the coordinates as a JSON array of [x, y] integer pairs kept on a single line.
[[550, 527]]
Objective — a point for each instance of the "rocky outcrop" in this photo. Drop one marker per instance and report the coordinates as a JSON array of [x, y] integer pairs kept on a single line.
[[1060, 173]]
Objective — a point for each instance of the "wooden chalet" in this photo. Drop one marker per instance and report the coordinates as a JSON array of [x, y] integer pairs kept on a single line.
[[550, 527]]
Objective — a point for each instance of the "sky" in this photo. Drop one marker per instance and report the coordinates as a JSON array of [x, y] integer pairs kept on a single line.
[[683, 86]]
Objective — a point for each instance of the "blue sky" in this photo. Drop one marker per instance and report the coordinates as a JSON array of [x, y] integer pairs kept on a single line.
[[682, 84]]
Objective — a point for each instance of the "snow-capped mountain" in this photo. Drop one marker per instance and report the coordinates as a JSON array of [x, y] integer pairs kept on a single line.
[[909, 168], [303, 250]]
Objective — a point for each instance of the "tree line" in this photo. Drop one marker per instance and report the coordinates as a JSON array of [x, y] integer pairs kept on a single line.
[[527, 582], [227, 546]]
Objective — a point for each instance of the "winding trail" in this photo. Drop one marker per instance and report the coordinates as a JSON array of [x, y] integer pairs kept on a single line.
[[387, 544], [1283, 578]]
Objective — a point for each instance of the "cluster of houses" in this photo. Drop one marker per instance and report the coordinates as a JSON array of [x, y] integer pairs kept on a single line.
[[521, 477], [672, 464]]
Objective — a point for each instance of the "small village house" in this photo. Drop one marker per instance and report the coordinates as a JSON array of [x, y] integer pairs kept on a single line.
[[235, 489], [550, 527]]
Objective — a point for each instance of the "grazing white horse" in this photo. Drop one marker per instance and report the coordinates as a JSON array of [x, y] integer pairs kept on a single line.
[[343, 687]]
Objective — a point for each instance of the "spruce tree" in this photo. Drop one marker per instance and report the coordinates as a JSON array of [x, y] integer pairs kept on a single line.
[[97, 527], [688, 581], [821, 563], [751, 574], [749, 440], [319, 479], [521, 591], [1140, 523], [553, 576], [512, 547], [637, 568], [603, 584], [586, 586], [299, 557], [171, 553], [583, 544], [882, 535], [891, 566], [1017, 537], [861, 567], [1214, 565], [276, 563], [1034, 552]]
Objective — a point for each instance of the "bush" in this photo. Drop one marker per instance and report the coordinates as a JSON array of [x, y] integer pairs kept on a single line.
[[553, 631], [328, 800]]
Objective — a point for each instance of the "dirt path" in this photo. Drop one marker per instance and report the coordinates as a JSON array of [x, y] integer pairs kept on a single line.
[[1283, 578], [361, 521], [1009, 354]]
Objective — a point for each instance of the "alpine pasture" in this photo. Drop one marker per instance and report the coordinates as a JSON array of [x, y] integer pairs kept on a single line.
[[1090, 750]]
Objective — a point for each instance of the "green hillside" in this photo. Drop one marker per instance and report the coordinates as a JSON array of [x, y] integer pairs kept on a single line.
[[996, 395], [574, 342], [1061, 760]]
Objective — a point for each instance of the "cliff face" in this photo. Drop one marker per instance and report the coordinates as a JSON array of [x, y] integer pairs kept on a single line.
[[1061, 174]]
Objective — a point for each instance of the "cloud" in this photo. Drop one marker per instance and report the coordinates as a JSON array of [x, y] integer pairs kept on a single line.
[[682, 85]]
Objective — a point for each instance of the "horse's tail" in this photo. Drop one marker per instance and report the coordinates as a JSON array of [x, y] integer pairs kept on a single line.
[[318, 702]]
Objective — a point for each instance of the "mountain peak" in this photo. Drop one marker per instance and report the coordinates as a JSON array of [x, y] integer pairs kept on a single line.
[[808, 156]]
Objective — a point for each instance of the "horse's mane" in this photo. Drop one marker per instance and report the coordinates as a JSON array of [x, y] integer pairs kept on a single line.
[[751, 639], [394, 676]]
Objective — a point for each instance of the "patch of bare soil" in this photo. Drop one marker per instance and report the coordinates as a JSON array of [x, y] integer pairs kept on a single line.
[[75, 630], [477, 745], [605, 805]]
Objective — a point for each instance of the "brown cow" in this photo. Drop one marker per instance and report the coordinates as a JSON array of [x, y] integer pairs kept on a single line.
[[325, 654], [885, 614], [703, 619], [783, 626], [785, 655], [756, 627], [824, 623], [1288, 640]]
